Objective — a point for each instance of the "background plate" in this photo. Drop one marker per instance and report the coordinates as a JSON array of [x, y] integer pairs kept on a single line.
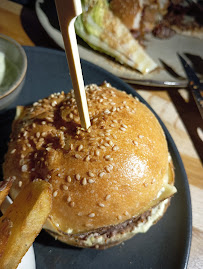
[[164, 52], [166, 245]]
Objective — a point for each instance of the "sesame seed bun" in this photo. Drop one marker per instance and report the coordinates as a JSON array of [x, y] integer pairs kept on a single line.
[[103, 178]]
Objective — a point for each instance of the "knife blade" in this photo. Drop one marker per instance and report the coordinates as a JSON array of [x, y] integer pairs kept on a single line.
[[194, 84]]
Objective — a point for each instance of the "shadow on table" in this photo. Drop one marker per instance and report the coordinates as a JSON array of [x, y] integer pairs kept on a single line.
[[190, 117], [34, 29]]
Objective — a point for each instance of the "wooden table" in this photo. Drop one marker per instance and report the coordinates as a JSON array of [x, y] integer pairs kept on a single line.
[[175, 107]]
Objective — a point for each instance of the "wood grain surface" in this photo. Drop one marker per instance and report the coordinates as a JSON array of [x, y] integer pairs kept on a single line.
[[176, 108]]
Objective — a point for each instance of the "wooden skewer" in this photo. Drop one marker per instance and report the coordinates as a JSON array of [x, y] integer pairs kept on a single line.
[[67, 11]]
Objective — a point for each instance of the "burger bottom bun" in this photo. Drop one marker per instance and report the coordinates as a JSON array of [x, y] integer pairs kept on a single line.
[[106, 237]]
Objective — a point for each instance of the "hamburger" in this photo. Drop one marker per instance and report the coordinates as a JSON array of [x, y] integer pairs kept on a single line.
[[109, 182]]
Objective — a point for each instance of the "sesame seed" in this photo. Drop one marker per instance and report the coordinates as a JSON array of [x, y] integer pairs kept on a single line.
[[69, 199], [108, 197], [91, 215], [95, 119], [71, 146], [108, 158], [24, 168], [122, 129], [135, 143], [91, 181], [77, 177], [91, 174], [78, 132], [88, 224], [69, 179], [153, 180], [115, 148], [20, 183], [102, 147], [13, 151], [87, 158], [55, 193], [126, 213], [43, 122], [106, 144], [38, 134], [145, 184], [140, 136], [101, 174], [119, 217], [77, 156], [54, 103], [97, 152], [114, 136], [84, 181], [111, 143], [101, 205], [106, 111], [123, 125], [72, 204], [80, 147], [65, 187], [108, 169], [71, 115]]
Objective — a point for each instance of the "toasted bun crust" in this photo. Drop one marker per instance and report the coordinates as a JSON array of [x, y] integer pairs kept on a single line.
[[127, 11], [115, 170]]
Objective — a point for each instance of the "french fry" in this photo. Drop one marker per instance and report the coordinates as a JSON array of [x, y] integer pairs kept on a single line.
[[4, 190], [23, 221]]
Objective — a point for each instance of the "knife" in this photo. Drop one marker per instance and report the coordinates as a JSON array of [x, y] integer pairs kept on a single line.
[[194, 84]]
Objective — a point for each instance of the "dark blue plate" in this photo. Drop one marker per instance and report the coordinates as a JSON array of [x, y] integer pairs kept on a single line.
[[166, 245]]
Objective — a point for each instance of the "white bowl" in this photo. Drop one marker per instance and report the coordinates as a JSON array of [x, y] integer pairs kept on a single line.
[[15, 70]]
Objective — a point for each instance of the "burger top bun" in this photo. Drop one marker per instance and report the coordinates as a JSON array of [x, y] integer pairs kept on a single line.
[[115, 170]]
